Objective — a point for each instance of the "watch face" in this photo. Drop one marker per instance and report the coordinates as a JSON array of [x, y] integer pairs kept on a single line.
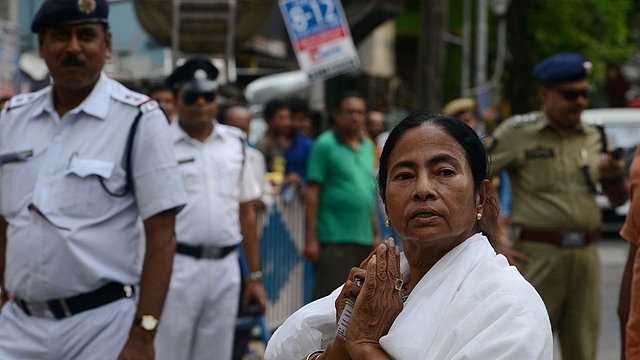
[[256, 276], [149, 323]]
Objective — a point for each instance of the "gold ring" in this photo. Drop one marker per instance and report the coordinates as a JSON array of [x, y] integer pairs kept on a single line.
[[358, 281], [399, 284]]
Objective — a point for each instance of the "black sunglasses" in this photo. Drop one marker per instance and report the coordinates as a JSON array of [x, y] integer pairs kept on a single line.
[[571, 94], [191, 97]]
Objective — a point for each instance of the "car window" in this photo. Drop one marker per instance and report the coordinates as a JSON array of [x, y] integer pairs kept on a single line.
[[625, 136]]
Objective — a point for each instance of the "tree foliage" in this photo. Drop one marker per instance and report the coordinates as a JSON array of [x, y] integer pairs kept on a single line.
[[607, 32], [598, 29]]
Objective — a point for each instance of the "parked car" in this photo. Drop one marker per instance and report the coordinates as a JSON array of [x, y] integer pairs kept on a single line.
[[622, 126]]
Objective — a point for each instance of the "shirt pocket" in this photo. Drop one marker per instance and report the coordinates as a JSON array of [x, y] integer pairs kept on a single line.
[[192, 177], [228, 179], [543, 174], [81, 191]]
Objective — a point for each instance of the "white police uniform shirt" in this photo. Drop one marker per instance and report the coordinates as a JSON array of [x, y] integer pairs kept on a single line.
[[217, 178], [65, 234]]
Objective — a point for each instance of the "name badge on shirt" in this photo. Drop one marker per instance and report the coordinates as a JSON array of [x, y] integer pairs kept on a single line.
[[18, 156], [186, 161], [539, 153]]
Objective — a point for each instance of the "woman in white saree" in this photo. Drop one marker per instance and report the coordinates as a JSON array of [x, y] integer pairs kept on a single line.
[[448, 296]]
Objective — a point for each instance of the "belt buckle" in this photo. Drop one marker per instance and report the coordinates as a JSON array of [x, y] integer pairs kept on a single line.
[[574, 239], [211, 252], [39, 309]]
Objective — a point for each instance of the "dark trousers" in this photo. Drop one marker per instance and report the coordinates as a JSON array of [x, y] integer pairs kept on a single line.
[[332, 269], [243, 333]]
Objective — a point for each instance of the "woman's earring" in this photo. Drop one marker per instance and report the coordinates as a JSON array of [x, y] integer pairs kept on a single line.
[[387, 223], [479, 216]]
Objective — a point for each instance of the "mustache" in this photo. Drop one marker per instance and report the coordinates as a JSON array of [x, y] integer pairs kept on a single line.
[[72, 61]]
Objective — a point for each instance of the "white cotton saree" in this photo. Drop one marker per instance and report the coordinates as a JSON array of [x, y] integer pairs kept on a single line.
[[470, 305]]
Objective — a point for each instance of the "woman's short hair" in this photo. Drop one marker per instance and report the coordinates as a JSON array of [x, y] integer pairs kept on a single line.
[[467, 138]]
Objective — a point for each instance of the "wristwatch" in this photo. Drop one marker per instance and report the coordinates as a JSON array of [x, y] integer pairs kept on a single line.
[[147, 322], [256, 276]]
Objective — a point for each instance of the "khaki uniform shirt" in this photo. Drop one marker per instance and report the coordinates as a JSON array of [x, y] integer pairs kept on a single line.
[[550, 190]]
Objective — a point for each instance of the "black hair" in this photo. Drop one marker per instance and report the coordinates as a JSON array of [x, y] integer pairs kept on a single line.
[[272, 107], [159, 87], [297, 104], [349, 94], [473, 147]]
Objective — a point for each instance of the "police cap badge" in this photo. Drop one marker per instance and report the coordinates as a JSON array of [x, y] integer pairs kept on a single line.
[[69, 12]]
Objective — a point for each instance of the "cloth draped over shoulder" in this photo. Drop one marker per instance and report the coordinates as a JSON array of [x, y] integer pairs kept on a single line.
[[470, 305]]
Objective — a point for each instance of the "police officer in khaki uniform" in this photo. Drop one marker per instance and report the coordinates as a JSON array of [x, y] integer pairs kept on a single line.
[[466, 110], [555, 163]]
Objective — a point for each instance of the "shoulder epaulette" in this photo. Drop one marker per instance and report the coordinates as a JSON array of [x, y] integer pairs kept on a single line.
[[148, 105], [126, 96], [22, 100], [522, 119]]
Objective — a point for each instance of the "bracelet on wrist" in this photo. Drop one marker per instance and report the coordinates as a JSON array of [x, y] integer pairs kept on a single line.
[[314, 355]]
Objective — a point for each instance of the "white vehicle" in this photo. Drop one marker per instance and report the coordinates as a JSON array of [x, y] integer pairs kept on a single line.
[[622, 126]]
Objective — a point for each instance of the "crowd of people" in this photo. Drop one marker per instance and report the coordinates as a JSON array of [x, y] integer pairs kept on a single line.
[[128, 225]]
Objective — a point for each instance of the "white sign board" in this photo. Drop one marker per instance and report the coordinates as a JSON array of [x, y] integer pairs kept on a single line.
[[320, 36]]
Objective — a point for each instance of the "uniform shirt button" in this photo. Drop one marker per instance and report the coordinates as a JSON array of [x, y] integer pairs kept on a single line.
[[57, 138]]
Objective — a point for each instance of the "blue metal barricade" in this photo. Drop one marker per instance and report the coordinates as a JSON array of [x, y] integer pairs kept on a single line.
[[288, 277]]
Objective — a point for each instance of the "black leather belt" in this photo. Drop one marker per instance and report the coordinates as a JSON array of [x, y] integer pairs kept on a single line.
[[562, 238], [62, 308], [204, 252]]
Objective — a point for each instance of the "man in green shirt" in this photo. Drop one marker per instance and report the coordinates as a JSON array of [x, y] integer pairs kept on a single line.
[[554, 162], [341, 223]]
